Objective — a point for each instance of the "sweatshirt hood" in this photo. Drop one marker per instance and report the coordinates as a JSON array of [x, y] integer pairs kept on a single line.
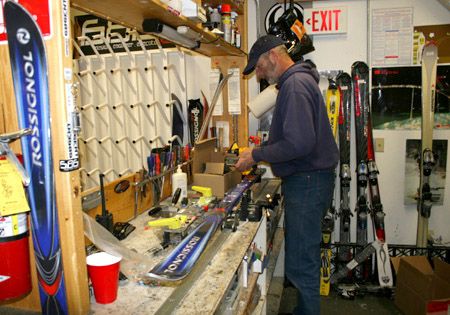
[[304, 67]]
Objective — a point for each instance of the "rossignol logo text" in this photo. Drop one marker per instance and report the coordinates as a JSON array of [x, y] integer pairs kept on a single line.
[[181, 257], [23, 37], [196, 115]]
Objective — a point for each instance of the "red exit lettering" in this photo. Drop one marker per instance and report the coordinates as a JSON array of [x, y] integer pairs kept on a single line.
[[327, 20]]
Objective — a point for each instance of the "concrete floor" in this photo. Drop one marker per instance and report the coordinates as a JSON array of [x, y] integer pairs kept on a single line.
[[334, 304]]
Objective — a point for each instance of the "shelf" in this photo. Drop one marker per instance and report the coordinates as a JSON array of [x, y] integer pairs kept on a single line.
[[131, 13], [236, 5]]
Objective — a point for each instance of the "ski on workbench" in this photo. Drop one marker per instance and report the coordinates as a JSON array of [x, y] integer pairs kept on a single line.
[[179, 263], [29, 70]]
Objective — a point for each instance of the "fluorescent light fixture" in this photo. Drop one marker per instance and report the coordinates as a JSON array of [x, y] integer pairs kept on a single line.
[[157, 28]]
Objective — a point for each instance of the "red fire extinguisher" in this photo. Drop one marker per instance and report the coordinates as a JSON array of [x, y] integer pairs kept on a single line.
[[15, 277]]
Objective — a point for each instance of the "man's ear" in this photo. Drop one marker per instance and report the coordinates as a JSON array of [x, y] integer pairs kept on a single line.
[[273, 57]]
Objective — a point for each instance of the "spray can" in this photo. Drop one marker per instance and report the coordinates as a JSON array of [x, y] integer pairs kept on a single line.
[[226, 22]]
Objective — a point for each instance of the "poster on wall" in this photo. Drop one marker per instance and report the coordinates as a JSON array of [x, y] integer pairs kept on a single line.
[[412, 172], [392, 34], [397, 102]]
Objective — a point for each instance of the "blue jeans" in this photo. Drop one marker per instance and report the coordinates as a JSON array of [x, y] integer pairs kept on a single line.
[[307, 195]]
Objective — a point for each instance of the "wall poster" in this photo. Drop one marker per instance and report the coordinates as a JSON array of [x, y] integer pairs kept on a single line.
[[397, 102]]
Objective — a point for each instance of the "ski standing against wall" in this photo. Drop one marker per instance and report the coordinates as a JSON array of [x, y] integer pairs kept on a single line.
[[376, 210], [367, 173], [426, 162], [360, 78], [29, 69], [344, 82], [332, 101]]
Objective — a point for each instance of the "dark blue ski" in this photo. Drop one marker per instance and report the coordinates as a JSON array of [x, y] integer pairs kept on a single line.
[[181, 260], [29, 69], [179, 263]]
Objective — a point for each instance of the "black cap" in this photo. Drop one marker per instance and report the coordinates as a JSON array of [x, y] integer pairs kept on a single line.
[[262, 45]]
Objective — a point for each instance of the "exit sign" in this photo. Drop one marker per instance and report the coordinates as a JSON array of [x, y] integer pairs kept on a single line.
[[325, 20]]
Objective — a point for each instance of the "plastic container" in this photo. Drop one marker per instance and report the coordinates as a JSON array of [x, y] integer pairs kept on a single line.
[[179, 180], [226, 22], [103, 269], [216, 18]]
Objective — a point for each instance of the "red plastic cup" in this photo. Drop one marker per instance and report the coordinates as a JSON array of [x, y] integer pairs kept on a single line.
[[103, 269]]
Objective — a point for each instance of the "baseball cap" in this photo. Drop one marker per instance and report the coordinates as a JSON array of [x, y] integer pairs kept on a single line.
[[262, 45]]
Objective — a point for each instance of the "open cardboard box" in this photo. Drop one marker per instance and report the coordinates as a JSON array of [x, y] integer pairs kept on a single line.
[[420, 289], [208, 168]]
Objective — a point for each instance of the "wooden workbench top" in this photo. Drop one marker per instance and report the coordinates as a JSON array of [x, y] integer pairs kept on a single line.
[[206, 285]]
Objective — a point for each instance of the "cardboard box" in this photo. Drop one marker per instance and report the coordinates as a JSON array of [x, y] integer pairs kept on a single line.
[[209, 169], [420, 289]]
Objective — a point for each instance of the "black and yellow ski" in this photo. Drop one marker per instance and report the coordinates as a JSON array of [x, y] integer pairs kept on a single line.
[[332, 101]]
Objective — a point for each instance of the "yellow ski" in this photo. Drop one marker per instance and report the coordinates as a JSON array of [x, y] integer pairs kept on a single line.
[[332, 102]]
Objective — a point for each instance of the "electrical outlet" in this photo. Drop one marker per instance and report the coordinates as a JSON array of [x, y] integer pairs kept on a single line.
[[264, 135], [379, 144]]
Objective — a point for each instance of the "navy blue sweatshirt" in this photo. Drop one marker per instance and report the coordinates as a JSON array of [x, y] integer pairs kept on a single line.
[[300, 136]]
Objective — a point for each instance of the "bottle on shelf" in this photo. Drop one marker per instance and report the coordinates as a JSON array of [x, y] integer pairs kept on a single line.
[[179, 180], [238, 38], [235, 34], [216, 18], [226, 22]]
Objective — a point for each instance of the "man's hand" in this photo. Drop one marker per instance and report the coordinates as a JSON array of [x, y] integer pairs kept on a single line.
[[245, 160]]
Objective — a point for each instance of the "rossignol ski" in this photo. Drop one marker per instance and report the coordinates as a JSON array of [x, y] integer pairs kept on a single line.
[[332, 101], [179, 263], [29, 70], [344, 82], [424, 202]]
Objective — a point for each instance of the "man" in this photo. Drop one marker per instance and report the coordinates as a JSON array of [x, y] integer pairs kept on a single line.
[[303, 153]]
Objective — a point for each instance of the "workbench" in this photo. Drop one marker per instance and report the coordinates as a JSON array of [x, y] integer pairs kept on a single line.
[[216, 284], [201, 292]]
